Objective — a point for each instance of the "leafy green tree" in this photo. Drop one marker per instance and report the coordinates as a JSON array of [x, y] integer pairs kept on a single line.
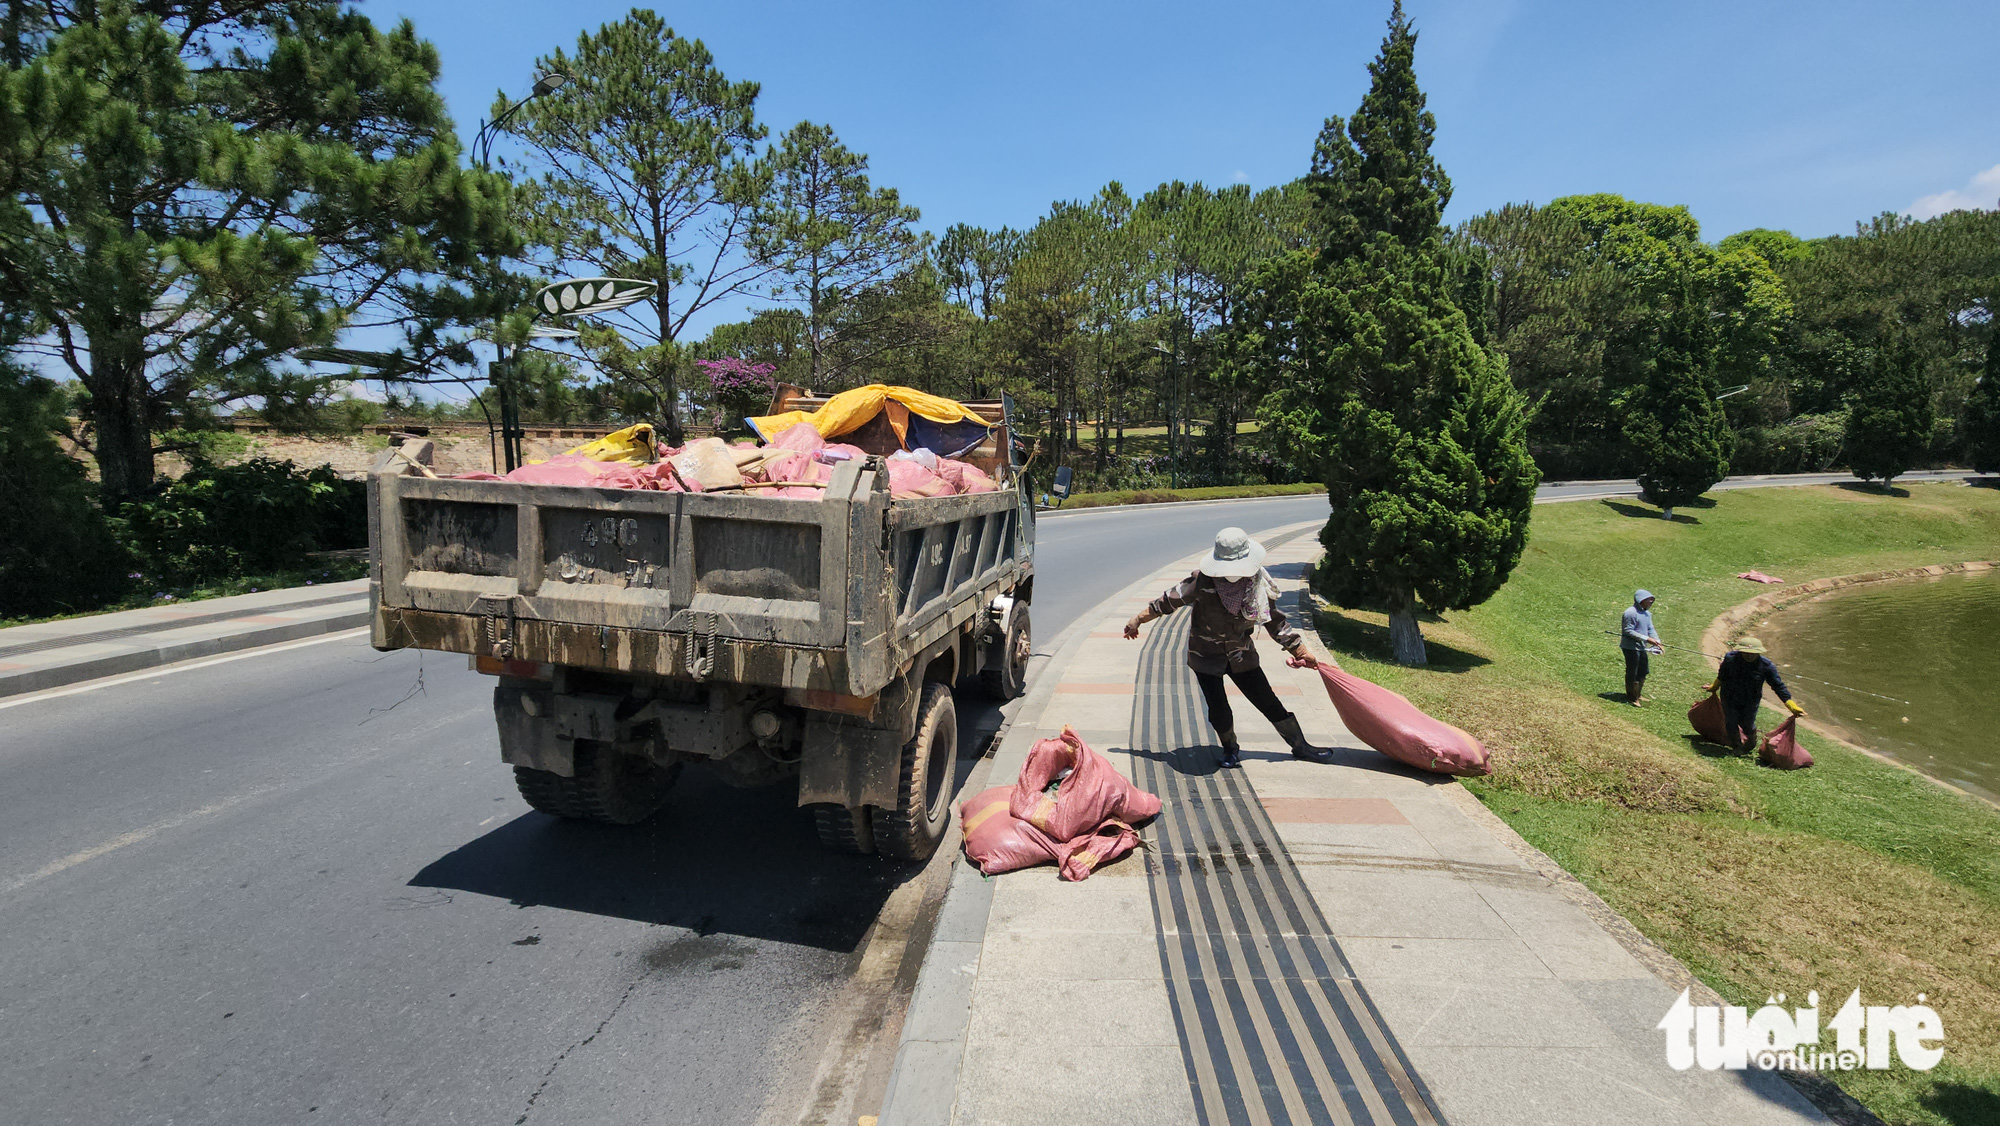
[[1889, 426], [829, 237], [198, 190], [648, 170], [1673, 423], [1419, 433], [58, 554], [1982, 414]]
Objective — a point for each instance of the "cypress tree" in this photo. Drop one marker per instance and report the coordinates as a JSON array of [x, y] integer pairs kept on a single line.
[[1674, 425], [1415, 426], [1982, 413], [1889, 425]]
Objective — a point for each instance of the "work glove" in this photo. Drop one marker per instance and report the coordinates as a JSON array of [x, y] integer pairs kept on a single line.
[[1708, 688], [1794, 705]]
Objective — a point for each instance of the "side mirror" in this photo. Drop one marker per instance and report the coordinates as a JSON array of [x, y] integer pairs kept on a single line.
[[1063, 478]]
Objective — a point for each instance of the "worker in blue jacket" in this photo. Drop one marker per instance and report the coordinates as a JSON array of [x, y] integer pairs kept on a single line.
[[1741, 679], [1639, 640]]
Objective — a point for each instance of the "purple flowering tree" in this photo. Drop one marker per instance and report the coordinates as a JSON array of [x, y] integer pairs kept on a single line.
[[741, 388]]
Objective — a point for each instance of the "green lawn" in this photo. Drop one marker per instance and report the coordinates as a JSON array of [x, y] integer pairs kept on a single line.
[[1854, 873]]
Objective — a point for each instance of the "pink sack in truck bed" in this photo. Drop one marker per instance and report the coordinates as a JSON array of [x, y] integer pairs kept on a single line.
[[1092, 793], [1389, 723]]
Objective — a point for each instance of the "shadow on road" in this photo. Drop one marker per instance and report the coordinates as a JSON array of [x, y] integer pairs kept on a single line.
[[716, 860]]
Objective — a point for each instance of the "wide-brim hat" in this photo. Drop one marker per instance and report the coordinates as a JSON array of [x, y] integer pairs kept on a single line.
[[1750, 645], [1234, 556]]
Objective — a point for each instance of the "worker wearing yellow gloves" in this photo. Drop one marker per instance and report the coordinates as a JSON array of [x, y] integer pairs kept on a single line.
[[1741, 678]]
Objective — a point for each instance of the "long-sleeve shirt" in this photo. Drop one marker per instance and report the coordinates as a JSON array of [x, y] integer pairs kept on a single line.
[[1219, 641], [1741, 682], [1636, 628]]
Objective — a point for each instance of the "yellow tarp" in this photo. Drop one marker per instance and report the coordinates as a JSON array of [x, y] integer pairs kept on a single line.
[[848, 410], [632, 446]]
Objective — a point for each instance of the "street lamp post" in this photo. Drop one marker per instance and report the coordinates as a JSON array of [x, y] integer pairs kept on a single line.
[[500, 374]]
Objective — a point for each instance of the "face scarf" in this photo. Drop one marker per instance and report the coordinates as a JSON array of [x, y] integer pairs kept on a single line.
[[1247, 598]]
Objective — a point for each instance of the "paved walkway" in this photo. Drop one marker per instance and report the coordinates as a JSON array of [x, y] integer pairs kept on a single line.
[[51, 654], [1298, 944]]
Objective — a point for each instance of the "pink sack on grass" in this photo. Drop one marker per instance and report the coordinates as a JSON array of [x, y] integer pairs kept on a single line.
[[1706, 719], [1781, 748], [1078, 858], [998, 841], [1092, 793], [1391, 724]]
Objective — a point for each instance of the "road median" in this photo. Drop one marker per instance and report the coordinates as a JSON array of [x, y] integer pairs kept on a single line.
[[72, 650]]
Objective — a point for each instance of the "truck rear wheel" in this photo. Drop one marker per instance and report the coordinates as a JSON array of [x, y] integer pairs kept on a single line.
[[609, 786], [844, 830], [912, 830], [1010, 679]]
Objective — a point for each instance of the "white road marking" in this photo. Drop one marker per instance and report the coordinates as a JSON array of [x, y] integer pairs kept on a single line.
[[169, 670], [131, 838]]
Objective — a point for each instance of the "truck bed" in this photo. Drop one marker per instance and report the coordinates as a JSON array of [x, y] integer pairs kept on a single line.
[[834, 595]]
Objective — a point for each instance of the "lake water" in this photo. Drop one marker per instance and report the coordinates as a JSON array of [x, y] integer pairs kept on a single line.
[[1934, 642]]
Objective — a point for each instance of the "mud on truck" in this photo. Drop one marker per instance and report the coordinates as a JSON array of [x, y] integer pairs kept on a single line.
[[635, 634]]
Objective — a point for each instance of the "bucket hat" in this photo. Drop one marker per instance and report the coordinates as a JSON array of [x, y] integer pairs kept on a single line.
[[1235, 556], [1749, 645]]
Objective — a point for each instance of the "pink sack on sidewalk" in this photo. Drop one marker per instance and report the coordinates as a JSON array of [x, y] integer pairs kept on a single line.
[[1391, 724], [998, 841], [1092, 793], [1086, 854]]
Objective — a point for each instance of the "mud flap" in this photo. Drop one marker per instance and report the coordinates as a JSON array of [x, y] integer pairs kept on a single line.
[[855, 762], [531, 740]]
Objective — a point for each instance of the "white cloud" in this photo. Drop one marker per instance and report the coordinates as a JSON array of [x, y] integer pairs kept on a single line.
[[1982, 194], [1243, 177]]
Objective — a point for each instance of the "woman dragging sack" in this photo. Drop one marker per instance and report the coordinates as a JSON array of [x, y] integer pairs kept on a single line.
[[1231, 595]]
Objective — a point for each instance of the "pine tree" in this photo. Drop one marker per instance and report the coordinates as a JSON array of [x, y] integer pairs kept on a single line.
[[199, 190], [1982, 413], [1416, 428], [1674, 424], [1889, 425]]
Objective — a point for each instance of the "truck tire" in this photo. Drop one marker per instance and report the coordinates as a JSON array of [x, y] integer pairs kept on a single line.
[[912, 830], [1010, 679], [609, 787], [844, 830]]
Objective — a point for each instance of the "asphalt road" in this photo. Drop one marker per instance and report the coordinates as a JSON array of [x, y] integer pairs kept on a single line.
[[298, 886]]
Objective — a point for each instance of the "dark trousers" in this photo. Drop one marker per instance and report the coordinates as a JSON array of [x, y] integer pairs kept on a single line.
[[1740, 720], [1637, 664], [1255, 688]]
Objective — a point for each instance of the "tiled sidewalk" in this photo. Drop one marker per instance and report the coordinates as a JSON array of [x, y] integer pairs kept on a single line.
[[1300, 943], [51, 654]]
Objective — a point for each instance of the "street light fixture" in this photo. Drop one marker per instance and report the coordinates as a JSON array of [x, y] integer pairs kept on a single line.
[[500, 374]]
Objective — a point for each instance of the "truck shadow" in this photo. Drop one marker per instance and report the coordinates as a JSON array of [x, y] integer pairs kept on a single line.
[[716, 860]]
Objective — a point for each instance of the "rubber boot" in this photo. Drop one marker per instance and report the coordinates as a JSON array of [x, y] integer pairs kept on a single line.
[[1232, 751], [1302, 750]]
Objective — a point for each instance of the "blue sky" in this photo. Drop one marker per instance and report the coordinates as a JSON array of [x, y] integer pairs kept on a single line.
[[1805, 116], [1802, 116]]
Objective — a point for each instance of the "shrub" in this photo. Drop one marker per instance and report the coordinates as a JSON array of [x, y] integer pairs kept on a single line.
[[58, 553], [223, 521]]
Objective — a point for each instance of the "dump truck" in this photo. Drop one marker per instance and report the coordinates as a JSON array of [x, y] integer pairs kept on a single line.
[[636, 634]]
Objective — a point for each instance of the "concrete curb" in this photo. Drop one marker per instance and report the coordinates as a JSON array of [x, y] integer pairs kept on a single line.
[[1054, 513], [923, 1086], [143, 656]]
